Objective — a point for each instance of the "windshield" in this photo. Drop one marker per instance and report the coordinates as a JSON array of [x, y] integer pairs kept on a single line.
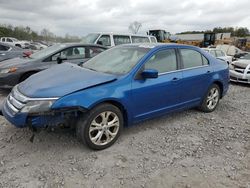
[[90, 38], [247, 56], [118, 60], [47, 51]]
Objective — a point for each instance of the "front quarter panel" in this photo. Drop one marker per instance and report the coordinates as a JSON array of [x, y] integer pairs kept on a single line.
[[116, 91]]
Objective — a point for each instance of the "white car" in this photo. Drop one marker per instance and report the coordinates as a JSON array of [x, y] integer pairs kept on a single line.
[[240, 70], [14, 42], [219, 54], [114, 39]]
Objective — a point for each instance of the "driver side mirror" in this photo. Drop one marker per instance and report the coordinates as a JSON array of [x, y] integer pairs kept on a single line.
[[149, 73], [60, 59]]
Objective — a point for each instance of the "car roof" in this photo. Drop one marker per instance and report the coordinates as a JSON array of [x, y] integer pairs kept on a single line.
[[82, 44], [130, 34], [158, 45]]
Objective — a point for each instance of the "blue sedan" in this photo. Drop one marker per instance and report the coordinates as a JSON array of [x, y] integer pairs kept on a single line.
[[119, 87]]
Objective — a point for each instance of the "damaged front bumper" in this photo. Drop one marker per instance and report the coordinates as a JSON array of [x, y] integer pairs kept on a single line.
[[18, 110], [49, 118]]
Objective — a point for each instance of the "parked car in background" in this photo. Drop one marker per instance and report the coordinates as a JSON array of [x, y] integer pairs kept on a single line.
[[219, 54], [8, 51], [37, 46], [231, 50], [121, 86], [16, 70], [14, 42], [240, 70], [113, 39]]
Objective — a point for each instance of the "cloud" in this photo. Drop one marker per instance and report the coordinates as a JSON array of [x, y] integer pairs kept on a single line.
[[77, 17]]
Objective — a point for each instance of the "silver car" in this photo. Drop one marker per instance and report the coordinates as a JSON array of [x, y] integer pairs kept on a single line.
[[8, 51], [240, 70]]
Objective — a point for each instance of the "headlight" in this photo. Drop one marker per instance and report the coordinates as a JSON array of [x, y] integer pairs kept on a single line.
[[37, 106], [9, 70]]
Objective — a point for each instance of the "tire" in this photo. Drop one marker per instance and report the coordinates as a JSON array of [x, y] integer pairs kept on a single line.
[[97, 119], [211, 99]]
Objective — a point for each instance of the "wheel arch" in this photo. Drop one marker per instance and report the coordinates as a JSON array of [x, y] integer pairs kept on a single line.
[[220, 84], [118, 105], [27, 73]]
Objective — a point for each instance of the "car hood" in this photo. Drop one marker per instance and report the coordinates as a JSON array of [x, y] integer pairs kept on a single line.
[[14, 62], [61, 80], [243, 63]]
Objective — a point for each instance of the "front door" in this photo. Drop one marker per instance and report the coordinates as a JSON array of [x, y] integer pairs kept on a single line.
[[155, 96]]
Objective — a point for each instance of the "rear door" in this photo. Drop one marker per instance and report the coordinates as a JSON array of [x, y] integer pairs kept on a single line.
[[157, 95], [196, 76]]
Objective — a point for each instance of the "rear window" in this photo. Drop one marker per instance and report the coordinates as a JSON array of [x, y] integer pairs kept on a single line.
[[121, 39], [191, 58], [137, 39]]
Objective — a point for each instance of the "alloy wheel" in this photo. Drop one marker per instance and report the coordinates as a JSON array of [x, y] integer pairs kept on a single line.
[[104, 128], [212, 98]]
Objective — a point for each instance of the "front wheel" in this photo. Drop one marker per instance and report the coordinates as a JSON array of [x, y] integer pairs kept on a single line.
[[211, 100], [101, 127]]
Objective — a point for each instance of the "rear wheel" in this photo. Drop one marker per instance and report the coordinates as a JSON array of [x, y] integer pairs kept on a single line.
[[211, 100], [101, 127]]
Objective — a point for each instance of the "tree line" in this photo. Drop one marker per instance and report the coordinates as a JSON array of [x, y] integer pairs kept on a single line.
[[235, 32], [26, 33]]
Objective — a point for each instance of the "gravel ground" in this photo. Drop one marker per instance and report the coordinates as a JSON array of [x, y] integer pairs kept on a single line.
[[186, 149]]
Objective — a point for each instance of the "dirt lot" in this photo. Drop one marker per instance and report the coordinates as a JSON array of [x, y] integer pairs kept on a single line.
[[186, 149]]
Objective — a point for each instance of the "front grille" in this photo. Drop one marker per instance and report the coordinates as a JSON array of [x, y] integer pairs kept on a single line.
[[16, 101], [239, 69]]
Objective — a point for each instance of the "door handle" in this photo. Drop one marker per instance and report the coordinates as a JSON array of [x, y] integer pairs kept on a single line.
[[175, 79]]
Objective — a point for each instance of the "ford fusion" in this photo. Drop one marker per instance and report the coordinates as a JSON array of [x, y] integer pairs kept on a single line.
[[117, 88]]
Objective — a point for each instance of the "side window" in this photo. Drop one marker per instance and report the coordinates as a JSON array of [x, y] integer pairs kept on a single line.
[[71, 53], [104, 40], [138, 39], [3, 39], [204, 60], [121, 39], [9, 40], [191, 58], [93, 51], [153, 40], [163, 61]]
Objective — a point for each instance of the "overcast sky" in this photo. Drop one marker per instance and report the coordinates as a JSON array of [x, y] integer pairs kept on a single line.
[[79, 17]]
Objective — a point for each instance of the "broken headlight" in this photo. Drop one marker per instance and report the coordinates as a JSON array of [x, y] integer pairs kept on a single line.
[[37, 106]]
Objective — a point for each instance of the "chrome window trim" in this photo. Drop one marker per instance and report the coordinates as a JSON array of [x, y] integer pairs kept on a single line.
[[182, 70]]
